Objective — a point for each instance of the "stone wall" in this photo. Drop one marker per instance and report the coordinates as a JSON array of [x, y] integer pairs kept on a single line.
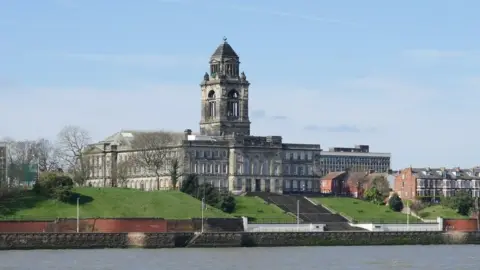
[[234, 239]]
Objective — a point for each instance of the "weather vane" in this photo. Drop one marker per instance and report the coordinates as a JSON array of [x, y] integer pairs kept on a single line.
[[224, 39]]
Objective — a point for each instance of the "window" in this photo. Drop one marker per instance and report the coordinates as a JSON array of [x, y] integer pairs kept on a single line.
[[246, 166], [225, 168], [217, 168], [212, 105], [233, 109], [300, 170]]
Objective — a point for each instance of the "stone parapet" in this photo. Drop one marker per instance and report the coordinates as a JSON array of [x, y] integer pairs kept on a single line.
[[229, 239]]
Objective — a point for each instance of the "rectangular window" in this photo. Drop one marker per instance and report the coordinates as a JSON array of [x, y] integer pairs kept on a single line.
[[225, 168], [217, 168]]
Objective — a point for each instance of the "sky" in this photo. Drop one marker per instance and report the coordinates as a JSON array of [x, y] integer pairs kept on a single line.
[[400, 76]]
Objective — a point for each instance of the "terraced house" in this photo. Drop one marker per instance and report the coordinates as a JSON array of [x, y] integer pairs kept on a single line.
[[436, 182], [223, 153]]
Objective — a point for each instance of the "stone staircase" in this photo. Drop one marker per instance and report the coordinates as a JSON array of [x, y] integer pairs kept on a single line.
[[309, 212]]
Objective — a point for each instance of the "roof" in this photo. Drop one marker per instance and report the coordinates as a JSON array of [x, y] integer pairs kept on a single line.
[[223, 51], [124, 138], [446, 173], [332, 175]]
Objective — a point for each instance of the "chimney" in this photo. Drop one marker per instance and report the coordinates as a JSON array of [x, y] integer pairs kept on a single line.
[[186, 133]]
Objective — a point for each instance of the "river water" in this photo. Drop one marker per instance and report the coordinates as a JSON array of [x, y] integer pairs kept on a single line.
[[287, 258]]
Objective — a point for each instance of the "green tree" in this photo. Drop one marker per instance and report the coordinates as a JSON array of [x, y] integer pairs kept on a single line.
[[373, 195], [462, 202], [190, 185], [227, 203], [175, 172], [395, 203], [55, 185]]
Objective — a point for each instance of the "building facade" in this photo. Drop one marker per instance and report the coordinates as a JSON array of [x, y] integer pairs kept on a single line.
[[411, 183], [358, 159], [223, 153]]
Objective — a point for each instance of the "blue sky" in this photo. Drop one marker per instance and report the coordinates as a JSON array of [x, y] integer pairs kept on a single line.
[[401, 76]]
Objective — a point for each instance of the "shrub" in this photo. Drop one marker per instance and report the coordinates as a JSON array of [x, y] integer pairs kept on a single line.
[[227, 204], [224, 202], [373, 195], [395, 203], [417, 206], [54, 185]]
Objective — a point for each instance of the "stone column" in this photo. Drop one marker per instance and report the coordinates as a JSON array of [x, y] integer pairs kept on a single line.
[[244, 184], [113, 165], [232, 168]]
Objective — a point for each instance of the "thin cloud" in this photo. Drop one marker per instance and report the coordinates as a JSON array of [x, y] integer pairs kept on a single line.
[[335, 129], [258, 114], [294, 15], [156, 60], [279, 117], [435, 54]]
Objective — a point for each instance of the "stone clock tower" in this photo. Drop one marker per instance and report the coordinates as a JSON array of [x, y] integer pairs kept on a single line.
[[224, 95]]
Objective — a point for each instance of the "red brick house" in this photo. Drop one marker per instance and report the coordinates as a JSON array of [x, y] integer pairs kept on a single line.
[[345, 183]]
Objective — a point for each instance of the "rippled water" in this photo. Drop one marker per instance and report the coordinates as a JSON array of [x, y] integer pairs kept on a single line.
[[288, 258]]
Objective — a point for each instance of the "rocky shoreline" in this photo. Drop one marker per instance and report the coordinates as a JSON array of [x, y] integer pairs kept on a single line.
[[22, 241]]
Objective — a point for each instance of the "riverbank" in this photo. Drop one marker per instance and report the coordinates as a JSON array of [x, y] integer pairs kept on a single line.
[[234, 239]]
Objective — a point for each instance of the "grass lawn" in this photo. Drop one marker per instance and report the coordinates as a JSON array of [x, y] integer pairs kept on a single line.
[[362, 211], [432, 212], [256, 209], [109, 202]]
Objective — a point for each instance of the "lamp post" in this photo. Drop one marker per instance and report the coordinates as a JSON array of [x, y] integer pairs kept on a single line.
[[78, 214]]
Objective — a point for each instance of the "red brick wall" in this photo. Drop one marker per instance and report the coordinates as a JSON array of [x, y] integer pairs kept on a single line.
[[180, 225], [326, 186], [87, 225], [406, 184], [23, 226], [462, 225]]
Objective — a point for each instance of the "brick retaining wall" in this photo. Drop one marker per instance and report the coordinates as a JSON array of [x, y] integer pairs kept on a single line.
[[117, 225]]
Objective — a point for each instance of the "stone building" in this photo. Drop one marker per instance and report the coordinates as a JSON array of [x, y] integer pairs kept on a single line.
[[223, 153]]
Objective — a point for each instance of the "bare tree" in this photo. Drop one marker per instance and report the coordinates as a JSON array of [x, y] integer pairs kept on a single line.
[[72, 141], [380, 182], [153, 149], [47, 154], [23, 155], [83, 169], [123, 172]]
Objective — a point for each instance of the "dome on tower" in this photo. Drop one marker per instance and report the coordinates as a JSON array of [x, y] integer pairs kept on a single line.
[[223, 51]]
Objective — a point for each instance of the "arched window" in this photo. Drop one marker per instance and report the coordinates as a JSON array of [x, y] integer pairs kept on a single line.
[[233, 109], [212, 108]]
